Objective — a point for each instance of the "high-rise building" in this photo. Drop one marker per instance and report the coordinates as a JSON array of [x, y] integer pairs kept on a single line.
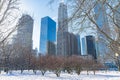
[[88, 47], [25, 31], [47, 36], [62, 18], [83, 46], [51, 48], [101, 17], [117, 21], [78, 44], [71, 44], [62, 28], [102, 22], [91, 49]]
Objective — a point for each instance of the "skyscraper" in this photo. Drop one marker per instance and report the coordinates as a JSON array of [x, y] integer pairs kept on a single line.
[[78, 44], [25, 31], [88, 46], [73, 44], [117, 23], [47, 36], [101, 17], [62, 28], [83, 46], [91, 49], [102, 22]]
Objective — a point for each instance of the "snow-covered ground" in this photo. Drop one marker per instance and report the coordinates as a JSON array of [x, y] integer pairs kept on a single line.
[[28, 75]]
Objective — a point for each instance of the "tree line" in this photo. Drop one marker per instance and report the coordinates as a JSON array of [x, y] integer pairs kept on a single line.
[[55, 64]]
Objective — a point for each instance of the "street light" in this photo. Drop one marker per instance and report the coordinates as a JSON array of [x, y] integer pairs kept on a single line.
[[117, 57], [116, 54]]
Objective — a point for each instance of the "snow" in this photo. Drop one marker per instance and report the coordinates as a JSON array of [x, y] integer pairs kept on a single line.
[[29, 75]]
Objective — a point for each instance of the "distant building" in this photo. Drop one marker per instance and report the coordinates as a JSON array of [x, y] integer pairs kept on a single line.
[[117, 20], [24, 32], [91, 49], [71, 44], [88, 47], [62, 30], [101, 17], [102, 22], [83, 46], [47, 36], [78, 44]]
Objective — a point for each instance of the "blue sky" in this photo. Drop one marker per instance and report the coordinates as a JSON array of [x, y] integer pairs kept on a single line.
[[38, 9]]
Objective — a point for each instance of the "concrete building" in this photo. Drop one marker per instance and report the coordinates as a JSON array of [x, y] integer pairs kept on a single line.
[[25, 32], [62, 29], [47, 36], [71, 44]]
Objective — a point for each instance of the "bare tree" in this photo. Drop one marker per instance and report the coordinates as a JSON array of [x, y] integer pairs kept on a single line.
[[8, 18], [84, 10], [103, 16]]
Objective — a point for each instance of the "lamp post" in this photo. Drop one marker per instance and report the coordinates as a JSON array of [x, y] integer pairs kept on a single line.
[[117, 58]]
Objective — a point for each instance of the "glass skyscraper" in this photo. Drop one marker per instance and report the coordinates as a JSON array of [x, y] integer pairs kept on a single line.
[[117, 19], [102, 22], [48, 35], [88, 46], [91, 49]]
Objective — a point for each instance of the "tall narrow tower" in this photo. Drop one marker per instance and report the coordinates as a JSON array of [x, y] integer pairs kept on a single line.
[[102, 22], [62, 28]]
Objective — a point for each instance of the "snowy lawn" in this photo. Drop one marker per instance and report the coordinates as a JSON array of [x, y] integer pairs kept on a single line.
[[29, 75]]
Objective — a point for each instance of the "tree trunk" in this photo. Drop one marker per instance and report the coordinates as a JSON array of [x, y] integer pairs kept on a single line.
[[21, 71], [94, 71], [43, 72], [57, 72], [87, 72]]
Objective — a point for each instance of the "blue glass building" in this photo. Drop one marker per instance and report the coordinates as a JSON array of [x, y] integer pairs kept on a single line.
[[91, 49], [102, 22], [88, 46], [48, 34]]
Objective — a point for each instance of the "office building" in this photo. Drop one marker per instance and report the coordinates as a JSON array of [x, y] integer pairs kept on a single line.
[[117, 23], [51, 48], [47, 35], [62, 29], [78, 44], [72, 46], [91, 49], [88, 47], [83, 46], [102, 22], [25, 32]]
